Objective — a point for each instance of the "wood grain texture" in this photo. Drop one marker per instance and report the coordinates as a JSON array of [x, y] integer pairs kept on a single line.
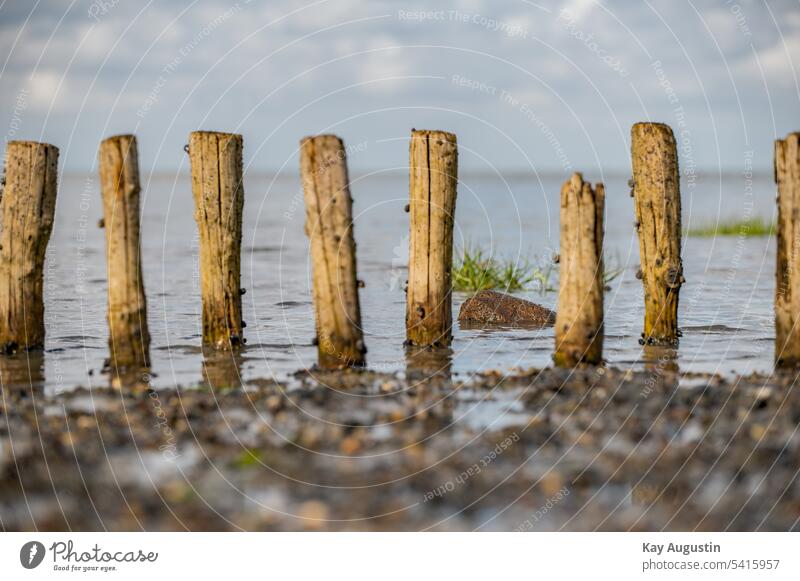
[[218, 191], [28, 206], [579, 316], [433, 181], [329, 227], [657, 201], [129, 338], [787, 272]]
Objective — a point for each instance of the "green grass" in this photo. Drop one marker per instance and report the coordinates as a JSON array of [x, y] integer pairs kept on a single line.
[[749, 227], [247, 458], [475, 270]]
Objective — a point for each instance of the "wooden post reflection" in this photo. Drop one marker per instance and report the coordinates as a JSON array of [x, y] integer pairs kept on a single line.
[[423, 363], [222, 369], [22, 370], [660, 359]]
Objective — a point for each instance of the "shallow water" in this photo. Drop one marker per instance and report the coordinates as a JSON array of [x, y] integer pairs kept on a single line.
[[725, 311]]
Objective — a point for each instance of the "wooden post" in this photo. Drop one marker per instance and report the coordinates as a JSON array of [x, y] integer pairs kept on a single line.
[[787, 279], [28, 205], [216, 160], [579, 317], [129, 339], [329, 227], [657, 200], [433, 180]]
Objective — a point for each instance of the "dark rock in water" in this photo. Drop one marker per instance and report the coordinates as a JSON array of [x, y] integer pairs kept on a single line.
[[494, 308]]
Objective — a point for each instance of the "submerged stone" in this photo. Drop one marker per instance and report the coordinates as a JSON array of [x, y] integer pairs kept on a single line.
[[494, 308]]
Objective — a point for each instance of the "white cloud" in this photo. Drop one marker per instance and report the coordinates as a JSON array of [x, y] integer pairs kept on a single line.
[[578, 9], [779, 62], [45, 92], [570, 61]]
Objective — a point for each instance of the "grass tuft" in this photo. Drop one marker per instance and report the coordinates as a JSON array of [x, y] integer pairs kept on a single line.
[[749, 228], [475, 270]]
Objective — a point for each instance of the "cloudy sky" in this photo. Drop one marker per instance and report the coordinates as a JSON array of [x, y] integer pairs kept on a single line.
[[551, 86]]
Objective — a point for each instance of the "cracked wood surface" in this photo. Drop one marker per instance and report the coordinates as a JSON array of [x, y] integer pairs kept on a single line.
[[657, 201], [579, 316], [27, 206], [329, 227], [218, 191], [433, 180], [787, 273], [129, 339]]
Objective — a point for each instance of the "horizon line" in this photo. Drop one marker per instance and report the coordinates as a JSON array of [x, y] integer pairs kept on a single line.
[[507, 172]]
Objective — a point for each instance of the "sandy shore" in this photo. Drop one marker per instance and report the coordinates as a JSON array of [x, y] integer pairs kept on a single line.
[[547, 449]]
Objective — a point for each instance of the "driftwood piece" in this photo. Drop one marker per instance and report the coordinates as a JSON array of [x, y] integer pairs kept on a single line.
[[329, 227], [657, 200], [433, 180], [27, 207], [787, 273], [129, 339], [579, 317], [218, 191]]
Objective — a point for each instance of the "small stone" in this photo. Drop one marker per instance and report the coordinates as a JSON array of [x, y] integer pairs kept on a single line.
[[757, 431], [86, 422], [763, 393], [176, 491], [274, 403], [350, 445], [551, 483], [314, 514], [67, 440]]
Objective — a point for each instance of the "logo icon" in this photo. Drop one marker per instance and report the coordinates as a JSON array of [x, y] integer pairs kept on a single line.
[[31, 554]]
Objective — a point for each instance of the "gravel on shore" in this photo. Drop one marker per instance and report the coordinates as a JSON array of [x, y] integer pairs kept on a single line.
[[588, 449]]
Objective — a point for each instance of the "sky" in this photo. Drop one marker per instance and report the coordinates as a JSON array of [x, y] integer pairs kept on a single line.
[[542, 86]]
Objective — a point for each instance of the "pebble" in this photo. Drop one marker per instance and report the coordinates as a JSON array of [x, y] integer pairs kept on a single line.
[[350, 445], [417, 440], [313, 514]]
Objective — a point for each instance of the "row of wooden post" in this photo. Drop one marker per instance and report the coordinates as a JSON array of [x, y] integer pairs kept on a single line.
[[657, 203], [28, 205]]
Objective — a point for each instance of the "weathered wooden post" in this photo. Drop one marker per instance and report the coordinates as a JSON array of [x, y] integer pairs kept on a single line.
[[433, 180], [579, 317], [787, 275], [129, 339], [218, 191], [28, 205], [329, 227], [657, 200]]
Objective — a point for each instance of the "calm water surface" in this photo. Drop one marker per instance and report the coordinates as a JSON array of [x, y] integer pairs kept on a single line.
[[725, 311]]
